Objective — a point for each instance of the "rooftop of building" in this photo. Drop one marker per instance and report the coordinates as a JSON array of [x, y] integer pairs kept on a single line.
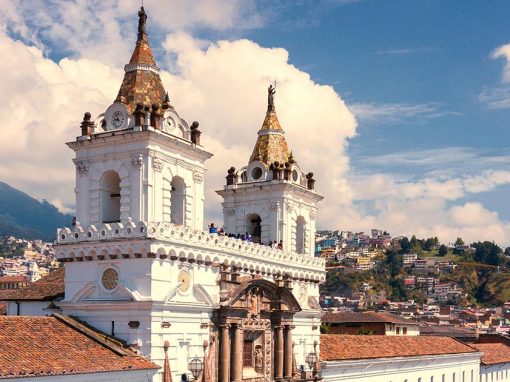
[[12, 279], [60, 345], [339, 347], [46, 289], [493, 353], [365, 317]]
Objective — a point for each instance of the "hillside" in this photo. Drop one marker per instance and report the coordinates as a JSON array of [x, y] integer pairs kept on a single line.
[[25, 217]]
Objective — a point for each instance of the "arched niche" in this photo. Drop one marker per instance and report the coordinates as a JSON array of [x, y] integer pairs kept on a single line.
[[110, 197], [300, 234], [178, 201]]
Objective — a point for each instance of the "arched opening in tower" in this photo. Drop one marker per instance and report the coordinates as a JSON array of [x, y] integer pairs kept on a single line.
[[110, 197], [178, 201], [300, 234], [254, 227]]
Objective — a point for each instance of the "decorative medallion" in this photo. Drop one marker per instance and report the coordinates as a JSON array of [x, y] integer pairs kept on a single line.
[[198, 177], [184, 281], [157, 163], [137, 161], [110, 279], [82, 167]]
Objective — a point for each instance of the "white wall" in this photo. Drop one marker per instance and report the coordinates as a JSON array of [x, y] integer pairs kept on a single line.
[[27, 308], [497, 372], [119, 376], [442, 368]]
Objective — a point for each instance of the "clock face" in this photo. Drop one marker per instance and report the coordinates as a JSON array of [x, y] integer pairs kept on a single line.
[[110, 279], [118, 119], [169, 124], [184, 281]]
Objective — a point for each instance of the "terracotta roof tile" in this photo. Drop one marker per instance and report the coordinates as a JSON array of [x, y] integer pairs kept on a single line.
[[337, 347], [346, 317], [493, 353], [46, 289], [51, 346]]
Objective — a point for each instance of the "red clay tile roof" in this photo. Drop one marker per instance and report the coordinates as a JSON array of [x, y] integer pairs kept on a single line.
[[348, 317], [493, 353], [46, 289], [38, 346], [338, 347]]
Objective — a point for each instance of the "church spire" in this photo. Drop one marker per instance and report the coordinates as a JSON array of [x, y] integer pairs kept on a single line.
[[271, 145], [141, 83]]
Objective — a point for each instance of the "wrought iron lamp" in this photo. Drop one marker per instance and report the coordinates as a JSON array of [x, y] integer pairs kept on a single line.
[[195, 365], [311, 359]]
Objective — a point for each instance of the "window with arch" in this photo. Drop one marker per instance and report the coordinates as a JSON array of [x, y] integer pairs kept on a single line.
[[419, 379], [300, 234], [110, 197], [253, 226], [178, 201], [443, 378]]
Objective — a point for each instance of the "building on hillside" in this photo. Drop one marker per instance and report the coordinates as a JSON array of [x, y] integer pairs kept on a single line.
[[349, 358], [61, 349], [139, 267], [369, 323], [13, 282]]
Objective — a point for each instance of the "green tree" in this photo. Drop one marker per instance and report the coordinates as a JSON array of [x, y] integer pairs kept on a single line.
[[459, 242], [405, 245], [443, 250], [507, 251], [429, 244], [414, 242]]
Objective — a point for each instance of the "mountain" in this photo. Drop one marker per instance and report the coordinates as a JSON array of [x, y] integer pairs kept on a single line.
[[25, 217]]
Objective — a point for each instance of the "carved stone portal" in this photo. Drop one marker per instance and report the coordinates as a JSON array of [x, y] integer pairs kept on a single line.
[[258, 315]]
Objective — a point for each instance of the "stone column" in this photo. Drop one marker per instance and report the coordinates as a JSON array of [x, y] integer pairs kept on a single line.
[[288, 352], [237, 374], [225, 353], [278, 365]]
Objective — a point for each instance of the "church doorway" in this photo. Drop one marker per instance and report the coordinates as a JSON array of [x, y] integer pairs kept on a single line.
[[110, 197], [254, 227], [177, 200]]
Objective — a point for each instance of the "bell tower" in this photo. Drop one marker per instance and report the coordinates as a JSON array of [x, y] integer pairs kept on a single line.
[[140, 160], [271, 198]]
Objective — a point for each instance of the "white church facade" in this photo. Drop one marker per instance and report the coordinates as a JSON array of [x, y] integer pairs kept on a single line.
[[140, 267]]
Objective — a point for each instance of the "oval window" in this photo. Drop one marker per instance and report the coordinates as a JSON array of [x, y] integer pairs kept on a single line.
[[295, 175], [256, 173]]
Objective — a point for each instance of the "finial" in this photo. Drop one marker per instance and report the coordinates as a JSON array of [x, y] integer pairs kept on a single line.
[[142, 21], [271, 90]]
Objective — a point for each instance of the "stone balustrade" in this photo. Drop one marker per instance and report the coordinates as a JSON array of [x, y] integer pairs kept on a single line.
[[168, 240]]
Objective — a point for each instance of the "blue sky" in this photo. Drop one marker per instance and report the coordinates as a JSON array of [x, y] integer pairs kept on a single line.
[[414, 138]]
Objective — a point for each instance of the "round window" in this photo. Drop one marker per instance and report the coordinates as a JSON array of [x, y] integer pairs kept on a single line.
[[256, 173], [295, 175]]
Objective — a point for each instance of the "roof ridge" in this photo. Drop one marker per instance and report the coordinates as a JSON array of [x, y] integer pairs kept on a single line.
[[116, 345]]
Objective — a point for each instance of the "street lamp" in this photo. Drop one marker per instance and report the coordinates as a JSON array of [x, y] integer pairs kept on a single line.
[[196, 366], [311, 360]]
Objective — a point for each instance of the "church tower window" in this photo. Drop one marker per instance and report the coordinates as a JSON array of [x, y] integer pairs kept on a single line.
[[110, 197], [178, 201], [254, 227]]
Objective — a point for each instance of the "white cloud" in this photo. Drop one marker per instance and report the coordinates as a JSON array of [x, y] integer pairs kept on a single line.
[[222, 85], [503, 51], [395, 112], [408, 51]]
